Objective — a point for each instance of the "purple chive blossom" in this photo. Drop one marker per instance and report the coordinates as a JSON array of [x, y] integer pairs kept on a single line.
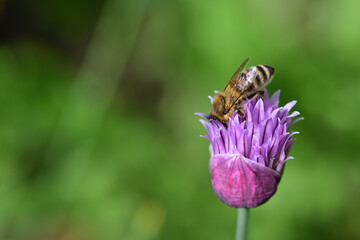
[[248, 156]]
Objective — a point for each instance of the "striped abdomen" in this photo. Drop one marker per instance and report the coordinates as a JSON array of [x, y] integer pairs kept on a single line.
[[253, 79]]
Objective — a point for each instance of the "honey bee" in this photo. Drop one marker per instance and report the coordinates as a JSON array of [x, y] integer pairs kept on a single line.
[[244, 84]]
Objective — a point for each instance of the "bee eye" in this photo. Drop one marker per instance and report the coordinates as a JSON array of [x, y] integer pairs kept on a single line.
[[223, 100]]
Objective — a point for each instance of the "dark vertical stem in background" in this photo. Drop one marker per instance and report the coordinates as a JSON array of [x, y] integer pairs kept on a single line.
[[94, 87]]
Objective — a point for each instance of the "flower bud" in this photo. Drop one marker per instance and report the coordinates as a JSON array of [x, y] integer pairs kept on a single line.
[[248, 155]]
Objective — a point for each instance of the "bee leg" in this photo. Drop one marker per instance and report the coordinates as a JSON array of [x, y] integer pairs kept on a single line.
[[242, 116], [252, 96], [241, 110], [259, 93]]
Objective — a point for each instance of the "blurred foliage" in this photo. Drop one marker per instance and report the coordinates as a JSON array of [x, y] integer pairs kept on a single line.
[[98, 138]]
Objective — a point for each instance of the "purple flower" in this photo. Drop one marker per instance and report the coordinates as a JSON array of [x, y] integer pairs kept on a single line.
[[248, 156]]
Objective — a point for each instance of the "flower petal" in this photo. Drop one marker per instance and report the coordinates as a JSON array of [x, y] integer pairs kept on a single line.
[[203, 115], [274, 100]]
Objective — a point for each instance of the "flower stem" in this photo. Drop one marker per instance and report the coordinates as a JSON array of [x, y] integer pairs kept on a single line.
[[241, 225]]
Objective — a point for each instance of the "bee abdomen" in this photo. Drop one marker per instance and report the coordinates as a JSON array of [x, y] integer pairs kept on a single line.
[[264, 74], [270, 69]]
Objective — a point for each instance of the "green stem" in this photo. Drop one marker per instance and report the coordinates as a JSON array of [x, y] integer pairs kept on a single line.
[[241, 226]]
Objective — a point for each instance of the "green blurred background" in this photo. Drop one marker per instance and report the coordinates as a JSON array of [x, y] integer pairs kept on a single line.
[[98, 137]]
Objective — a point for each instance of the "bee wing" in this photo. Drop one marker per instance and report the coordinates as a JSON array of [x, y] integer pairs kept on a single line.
[[232, 93], [238, 71]]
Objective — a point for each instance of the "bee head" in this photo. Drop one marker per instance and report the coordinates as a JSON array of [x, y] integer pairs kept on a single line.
[[218, 106], [218, 109]]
